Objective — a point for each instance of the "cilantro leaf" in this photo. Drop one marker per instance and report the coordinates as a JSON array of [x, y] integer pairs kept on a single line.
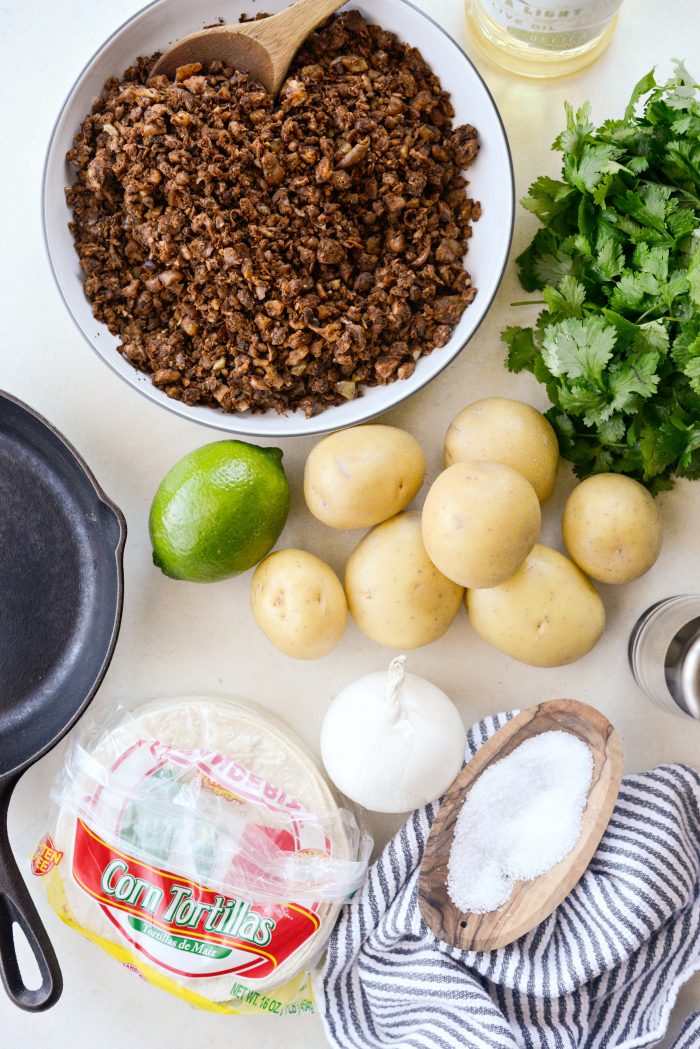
[[681, 163], [682, 75], [686, 345], [633, 379], [642, 87], [586, 400], [609, 261], [578, 127], [567, 299], [586, 170], [549, 199], [631, 289], [554, 266], [681, 221], [692, 370], [612, 430], [653, 260], [648, 205], [653, 335], [662, 446], [544, 246], [578, 348], [521, 348]]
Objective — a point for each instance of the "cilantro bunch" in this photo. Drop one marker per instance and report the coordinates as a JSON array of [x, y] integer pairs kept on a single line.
[[618, 262]]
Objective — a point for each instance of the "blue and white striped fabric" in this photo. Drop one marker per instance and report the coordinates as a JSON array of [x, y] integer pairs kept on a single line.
[[603, 971]]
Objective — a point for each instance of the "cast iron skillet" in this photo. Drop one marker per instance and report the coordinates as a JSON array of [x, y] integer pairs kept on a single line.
[[61, 588]]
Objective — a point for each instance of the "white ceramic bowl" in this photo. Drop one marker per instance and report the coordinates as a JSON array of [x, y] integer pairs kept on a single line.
[[491, 182]]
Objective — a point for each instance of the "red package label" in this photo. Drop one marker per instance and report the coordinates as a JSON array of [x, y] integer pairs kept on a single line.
[[184, 927]]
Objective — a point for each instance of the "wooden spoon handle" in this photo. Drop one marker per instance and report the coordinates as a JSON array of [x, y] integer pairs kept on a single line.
[[290, 27]]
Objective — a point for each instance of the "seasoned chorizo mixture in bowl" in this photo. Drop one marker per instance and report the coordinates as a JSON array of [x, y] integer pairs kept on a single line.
[[253, 253], [288, 268]]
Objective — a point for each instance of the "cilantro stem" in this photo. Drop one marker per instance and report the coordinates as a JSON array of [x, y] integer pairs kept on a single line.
[[530, 302], [592, 437], [663, 316]]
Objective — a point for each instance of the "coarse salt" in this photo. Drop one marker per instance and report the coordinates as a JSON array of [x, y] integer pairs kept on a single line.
[[522, 816]]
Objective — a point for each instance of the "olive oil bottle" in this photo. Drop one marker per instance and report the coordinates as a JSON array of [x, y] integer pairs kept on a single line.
[[542, 39]]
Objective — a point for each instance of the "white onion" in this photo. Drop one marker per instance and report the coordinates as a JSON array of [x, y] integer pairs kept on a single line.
[[392, 741]]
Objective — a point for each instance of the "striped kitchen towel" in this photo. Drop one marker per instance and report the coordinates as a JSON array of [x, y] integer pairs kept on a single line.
[[603, 971]]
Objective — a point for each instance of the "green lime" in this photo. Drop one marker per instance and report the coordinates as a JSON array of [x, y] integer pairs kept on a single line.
[[218, 511]]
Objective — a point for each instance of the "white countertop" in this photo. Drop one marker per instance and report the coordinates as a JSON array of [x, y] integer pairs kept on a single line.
[[179, 637]]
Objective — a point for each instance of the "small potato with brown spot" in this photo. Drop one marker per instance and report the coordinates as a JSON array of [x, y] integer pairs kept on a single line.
[[547, 615], [299, 603], [480, 521], [612, 528], [358, 477], [395, 593], [501, 430]]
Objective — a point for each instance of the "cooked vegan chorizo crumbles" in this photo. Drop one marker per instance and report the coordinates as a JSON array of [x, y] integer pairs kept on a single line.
[[253, 253]]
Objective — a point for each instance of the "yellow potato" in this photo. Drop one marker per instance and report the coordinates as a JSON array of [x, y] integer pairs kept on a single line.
[[298, 603], [358, 477], [500, 430], [612, 528], [480, 521], [548, 614], [395, 594]]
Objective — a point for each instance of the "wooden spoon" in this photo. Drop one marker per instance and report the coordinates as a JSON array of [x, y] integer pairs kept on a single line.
[[263, 48], [532, 901]]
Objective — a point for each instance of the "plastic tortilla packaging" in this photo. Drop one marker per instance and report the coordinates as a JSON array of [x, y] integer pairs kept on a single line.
[[198, 844]]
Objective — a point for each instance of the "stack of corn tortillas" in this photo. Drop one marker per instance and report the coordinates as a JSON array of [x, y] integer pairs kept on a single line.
[[237, 733]]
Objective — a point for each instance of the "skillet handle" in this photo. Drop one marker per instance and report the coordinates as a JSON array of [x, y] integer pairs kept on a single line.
[[16, 905]]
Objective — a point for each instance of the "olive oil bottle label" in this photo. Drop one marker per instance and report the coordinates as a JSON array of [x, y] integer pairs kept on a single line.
[[557, 26]]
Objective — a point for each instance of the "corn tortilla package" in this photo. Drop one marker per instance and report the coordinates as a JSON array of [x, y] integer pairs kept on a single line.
[[197, 843]]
